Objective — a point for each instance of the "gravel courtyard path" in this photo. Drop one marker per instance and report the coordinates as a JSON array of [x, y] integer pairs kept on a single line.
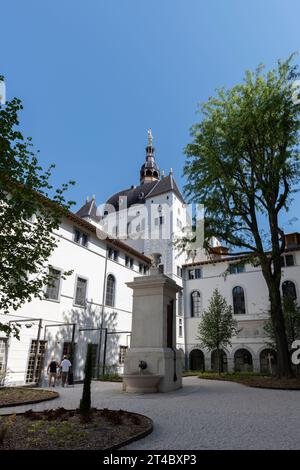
[[204, 414]]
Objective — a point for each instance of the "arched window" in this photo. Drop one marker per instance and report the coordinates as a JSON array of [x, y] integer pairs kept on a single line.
[[289, 290], [110, 290], [238, 300], [195, 304]]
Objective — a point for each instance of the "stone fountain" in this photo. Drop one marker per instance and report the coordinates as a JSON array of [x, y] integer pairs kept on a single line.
[[153, 364]]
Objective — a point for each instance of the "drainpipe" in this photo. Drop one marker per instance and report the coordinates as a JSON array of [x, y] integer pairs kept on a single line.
[[184, 317], [102, 317], [104, 352]]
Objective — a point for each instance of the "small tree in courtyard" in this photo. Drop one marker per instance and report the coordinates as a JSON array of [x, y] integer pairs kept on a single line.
[[217, 326], [85, 402]]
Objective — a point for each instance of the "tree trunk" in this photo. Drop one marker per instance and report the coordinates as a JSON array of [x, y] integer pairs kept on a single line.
[[219, 360], [284, 365], [271, 270]]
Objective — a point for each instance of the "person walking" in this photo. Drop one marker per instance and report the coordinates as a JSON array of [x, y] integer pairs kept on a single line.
[[64, 367], [52, 371]]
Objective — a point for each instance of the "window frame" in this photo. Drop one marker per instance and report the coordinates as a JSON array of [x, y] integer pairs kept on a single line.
[[79, 276], [199, 302], [236, 268], [112, 305], [60, 284], [180, 328], [295, 288], [81, 235], [122, 354], [233, 300]]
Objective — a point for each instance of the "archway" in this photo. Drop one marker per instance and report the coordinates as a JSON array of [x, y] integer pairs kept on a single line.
[[268, 361], [197, 360], [243, 361], [215, 362]]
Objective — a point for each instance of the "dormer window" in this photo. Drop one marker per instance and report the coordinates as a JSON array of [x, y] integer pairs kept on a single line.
[[128, 262], [141, 195], [236, 268], [195, 274], [112, 254], [80, 237]]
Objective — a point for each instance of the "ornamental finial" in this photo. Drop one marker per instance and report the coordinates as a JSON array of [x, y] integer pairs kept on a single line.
[[150, 138]]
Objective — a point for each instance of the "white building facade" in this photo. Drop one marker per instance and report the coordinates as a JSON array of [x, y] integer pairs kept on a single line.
[[94, 304]]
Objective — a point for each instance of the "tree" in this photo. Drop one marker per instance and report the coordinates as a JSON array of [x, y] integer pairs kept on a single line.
[[217, 326], [30, 211], [85, 402], [243, 165], [291, 313]]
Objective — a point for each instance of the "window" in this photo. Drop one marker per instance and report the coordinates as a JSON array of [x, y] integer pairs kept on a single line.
[[2, 359], [238, 300], [53, 287], [146, 269], [195, 273], [141, 268], [180, 303], [289, 290], [80, 237], [122, 354], [161, 268], [159, 220], [80, 296], [180, 328], [179, 271], [67, 349], [31, 374], [77, 235], [287, 260], [195, 304], [236, 268], [112, 254], [179, 224], [128, 262], [110, 290]]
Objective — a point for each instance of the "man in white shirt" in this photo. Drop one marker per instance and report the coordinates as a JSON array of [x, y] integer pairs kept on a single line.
[[65, 366]]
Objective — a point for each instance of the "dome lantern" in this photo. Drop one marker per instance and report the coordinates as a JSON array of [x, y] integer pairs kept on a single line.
[[149, 170]]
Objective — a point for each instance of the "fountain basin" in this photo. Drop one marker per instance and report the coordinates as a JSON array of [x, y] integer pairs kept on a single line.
[[141, 383]]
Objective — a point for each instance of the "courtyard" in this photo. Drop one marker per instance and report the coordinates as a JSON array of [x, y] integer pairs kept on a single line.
[[203, 415]]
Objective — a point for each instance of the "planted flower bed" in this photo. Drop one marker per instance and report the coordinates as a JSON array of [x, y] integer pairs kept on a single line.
[[69, 429], [14, 396]]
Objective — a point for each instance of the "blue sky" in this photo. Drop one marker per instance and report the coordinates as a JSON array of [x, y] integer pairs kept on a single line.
[[94, 75]]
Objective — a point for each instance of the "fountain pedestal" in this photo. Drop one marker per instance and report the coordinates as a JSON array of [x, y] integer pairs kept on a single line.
[[153, 337]]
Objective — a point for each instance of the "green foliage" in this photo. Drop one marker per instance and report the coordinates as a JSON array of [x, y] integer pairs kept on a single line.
[[5, 426], [244, 158], [110, 378], [30, 210], [85, 402], [291, 313], [243, 165], [217, 325], [229, 375]]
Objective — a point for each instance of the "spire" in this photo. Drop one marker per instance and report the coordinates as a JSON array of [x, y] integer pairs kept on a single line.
[[150, 138], [149, 170]]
